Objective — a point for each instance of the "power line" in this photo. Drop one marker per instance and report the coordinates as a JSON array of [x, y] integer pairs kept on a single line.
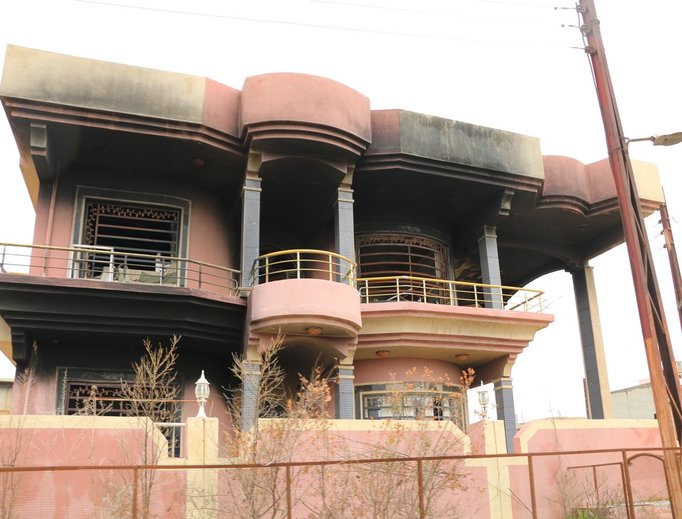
[[322, 26], [434, 13]]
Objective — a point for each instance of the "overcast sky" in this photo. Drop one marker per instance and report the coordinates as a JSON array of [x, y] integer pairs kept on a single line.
[[511, 65]]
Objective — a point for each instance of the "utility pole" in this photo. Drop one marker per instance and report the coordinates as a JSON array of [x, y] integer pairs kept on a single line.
[[665, 384], [672, 257]]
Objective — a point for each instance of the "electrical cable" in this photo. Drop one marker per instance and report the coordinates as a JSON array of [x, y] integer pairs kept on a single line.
[[327, 27], [435, 13]]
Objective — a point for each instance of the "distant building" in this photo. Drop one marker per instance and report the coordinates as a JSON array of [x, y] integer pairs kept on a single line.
[[636, 401]]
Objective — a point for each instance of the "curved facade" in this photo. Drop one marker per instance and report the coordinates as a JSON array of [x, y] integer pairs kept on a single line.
[[369, 239]]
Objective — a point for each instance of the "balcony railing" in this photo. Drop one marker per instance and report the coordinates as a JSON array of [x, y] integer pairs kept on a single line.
[[303, 263], [110, 265], [453, 293]]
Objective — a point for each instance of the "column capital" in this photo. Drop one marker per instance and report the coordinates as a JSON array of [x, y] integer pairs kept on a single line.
[[254, 161], [488, 231]]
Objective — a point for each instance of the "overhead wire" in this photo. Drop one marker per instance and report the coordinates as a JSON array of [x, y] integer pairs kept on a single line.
[[322, 26], [430, 13]]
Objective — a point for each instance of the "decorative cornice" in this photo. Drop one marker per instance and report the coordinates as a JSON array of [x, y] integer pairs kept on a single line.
[[412, 163], [34, 111]]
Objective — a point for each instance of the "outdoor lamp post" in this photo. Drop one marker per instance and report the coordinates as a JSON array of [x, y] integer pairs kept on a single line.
[[201, 390], [483, 400], [667, 140]]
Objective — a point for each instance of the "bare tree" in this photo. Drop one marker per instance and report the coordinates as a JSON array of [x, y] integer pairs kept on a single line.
[[152, 395], [13, 441]]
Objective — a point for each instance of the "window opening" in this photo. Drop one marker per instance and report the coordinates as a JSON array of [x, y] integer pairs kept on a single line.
[[404, 401], [101, 393], [112, 227], [396, 254]]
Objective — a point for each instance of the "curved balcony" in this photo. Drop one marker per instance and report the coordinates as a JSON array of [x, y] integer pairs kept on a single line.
[[304, 292], [388, 289], [105, 264], [303, 264]]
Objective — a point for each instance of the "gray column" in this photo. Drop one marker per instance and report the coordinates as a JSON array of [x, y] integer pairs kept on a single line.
[[345, 397], [250, 387], [344, 229], [250, 219], [490, 266], [598, 394], [504, 400]]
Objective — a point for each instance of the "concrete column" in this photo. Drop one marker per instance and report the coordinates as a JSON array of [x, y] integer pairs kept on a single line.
[[504, 401], [202, 484], [345, 396], [598, 393], [344, 229], [250, 385], [490, 266], [250, 218]]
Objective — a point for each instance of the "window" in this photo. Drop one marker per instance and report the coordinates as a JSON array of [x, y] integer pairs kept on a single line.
[[132, 228], [101, 393], [399, 254], [412, 401], [140, 238]]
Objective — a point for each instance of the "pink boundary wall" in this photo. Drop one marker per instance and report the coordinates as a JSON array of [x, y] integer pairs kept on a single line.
[[491, 487], [571, 481]]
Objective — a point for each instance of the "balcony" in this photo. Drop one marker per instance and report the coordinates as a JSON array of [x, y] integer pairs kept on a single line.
[[303, 264], [101, 296], [294, 291], [105, 264], [388, 289]]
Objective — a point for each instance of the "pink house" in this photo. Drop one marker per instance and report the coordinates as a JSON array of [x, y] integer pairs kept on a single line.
[[390, 248]]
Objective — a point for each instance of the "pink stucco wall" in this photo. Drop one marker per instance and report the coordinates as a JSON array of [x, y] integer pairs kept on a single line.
[[406, 370], [306, 99], [575, 479], [293, 303], [83, 493]]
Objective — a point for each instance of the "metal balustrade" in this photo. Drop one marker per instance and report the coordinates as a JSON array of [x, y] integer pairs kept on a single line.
[[303, 263], [444, 292], [110, 265]]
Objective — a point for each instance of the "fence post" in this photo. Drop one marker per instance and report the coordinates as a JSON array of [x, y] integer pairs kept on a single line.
[[625, 472], [531, 481], [289, 511], [135, 483], [420, 489]]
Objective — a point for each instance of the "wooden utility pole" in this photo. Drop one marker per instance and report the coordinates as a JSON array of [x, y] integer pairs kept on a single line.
[[665, 384]]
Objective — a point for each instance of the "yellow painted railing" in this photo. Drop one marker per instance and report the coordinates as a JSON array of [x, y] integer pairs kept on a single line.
[[107, 264], [455, 293], [303, 263]]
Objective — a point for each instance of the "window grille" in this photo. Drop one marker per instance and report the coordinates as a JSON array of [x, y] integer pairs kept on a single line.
[[399, 254], [133, 228]]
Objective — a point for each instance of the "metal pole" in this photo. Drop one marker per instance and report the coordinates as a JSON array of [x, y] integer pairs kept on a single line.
[[531, 482], [627, 485], [672, 257], [420, 489], [288, 481], [654, 329], [135, 484]]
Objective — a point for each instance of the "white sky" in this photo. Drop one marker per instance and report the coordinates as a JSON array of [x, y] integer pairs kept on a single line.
[[500, 63]]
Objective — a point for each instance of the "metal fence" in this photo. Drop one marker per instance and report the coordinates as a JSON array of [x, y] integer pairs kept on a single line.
[[612, 483]]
